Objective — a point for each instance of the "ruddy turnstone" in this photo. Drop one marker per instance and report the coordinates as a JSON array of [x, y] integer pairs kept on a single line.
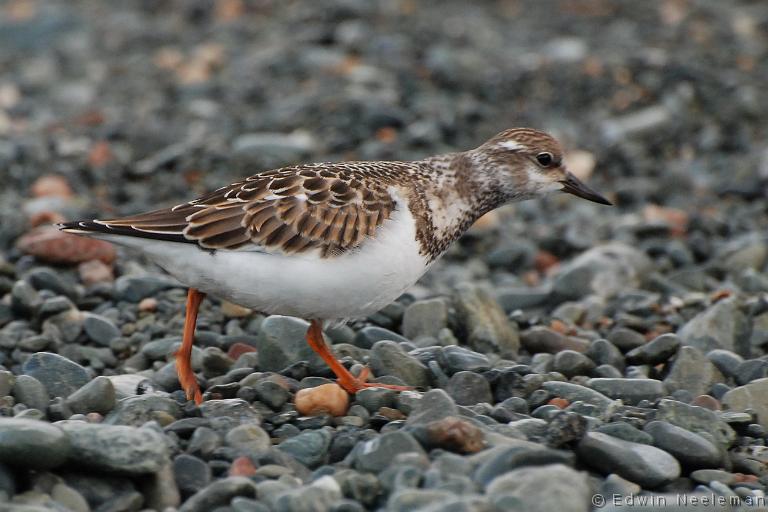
[[334, 240]]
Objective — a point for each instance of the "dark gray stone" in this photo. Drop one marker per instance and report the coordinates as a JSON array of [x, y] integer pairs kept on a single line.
[[571, 363], [60, 376], [32, 444], [692, 450], [507, 459], [625, 431], [468, 388], [456, 359], [630, 391], [100, 330], [140, 409], [388, 358], [30, 392], [692, 371], [219, 494], [425, 318], [640, 463], [96, 396], [434, 405], [696, 419], [309, 448], [566, 490], [135, 288], [378, 453], [656, 351], [116, 449], [483, 324], [191, 474], [626, 339], [368, 336]]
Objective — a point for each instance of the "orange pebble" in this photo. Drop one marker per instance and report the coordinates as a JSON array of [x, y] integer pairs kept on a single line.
[[560, 403], [242, 466], [51, 185], [148, 305], [95, 271], [238, 349], [326, 399]]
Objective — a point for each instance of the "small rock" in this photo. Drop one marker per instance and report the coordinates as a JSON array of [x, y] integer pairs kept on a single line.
[[100, 330], [135, 288], [30, 392], [388, 358], [505, 459], [425, 318], [324, 399], [566, 489], [692, 450], [374, 399], [458, 359], [48, 244], [626, 339], [696, 419], [242, 466], [282, 342], [119, 449], [318, 496], [96, 396], [434, 405], [271, 393], [692, 371], [468, 388], [375, 455], [7, 381], [640, 463], [571, 363], [219, 494], [722, 325], [543, 339], [630, 391], [454, 434], [60, 376], [753, 396], [138, 410], [191, 474], [92, 272], [484, 325], [368, 336], [574, 392], [32, 444], [656, 351], [248, 438], [625, 431], [309, 448]]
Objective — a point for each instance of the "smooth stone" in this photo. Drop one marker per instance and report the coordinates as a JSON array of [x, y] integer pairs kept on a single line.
[[571, 363], [753, 396], [389, 358], [575, 392], [721, 326], [30, 392], [543, 339], [32, 444], [309, 448], [127, 385], [248, 438], [625, 431], [368, 336], [626, 339], [374, 399], [692, 450], [318, 496], [282, 342], [603, 352], [7, 382], [425, 318], [271, 393], [434, 405], [552, 487], [605, 271], [140, 409], [99, 329], [408, 499], [44, 278], [656, 351], [378, 453], [96, 396], [469, 388], [219, 493], [640, 463], [692, 371], [69, 498], [455, 359], [750, 370], [705, 476], [235, 410], [118, 449], [60, 376], [630, 391], [696, 419], [506, 459], [484, 326], [191, 474]]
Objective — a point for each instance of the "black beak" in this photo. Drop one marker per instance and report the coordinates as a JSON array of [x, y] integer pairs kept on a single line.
[[573, 185]]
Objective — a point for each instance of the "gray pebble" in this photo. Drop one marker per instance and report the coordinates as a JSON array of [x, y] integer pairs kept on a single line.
[[60, 376], [368, 336], [191, 474], [135, 288], [566, 489], [219, 493], [32, 444], [571, 363], [626, 339], [96, 396], [100, 330], [388, 358], [656, 351], [692, 450], [309, 448], [30, 392], [248, 438], [505, 459], [425, 318], [469, 388], [630, 391], [375, 455]]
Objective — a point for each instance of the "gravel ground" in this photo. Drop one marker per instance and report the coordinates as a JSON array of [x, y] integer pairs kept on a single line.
[[563, 352]]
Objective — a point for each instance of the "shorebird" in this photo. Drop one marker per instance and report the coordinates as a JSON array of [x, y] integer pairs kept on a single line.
[[327, 241]]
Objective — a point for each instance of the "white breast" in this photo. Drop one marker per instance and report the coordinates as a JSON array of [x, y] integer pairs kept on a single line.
[[354, 284]]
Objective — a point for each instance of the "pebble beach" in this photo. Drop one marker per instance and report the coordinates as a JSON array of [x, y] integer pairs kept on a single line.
[[564, 356]]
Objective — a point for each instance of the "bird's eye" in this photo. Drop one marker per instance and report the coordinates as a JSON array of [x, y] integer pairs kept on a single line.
[[545, 159]]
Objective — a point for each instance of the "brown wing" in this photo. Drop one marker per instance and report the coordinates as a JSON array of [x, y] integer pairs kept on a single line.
[[327, 207]]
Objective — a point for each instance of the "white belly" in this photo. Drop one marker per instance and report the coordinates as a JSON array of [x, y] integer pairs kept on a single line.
[[354, 284]]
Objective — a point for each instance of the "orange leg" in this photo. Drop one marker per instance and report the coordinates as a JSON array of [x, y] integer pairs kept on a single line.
[[184, 354], [345, 379]]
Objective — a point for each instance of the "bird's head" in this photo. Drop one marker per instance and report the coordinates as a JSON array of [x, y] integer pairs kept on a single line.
[[526, 163]]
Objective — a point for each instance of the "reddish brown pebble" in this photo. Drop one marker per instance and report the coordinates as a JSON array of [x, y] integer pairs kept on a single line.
[[54, 246], [456, 434], [741, 477], [242, 466], [46, 219], [148, 305], [51, 185], [94, 417], [100, 154], [545, 261], [560, 403], [238, 349], [391, 414], [326, 399], [95, 271], [708, 402]]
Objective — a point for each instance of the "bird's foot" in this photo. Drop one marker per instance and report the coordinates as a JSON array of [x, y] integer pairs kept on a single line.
[[354, 384]]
